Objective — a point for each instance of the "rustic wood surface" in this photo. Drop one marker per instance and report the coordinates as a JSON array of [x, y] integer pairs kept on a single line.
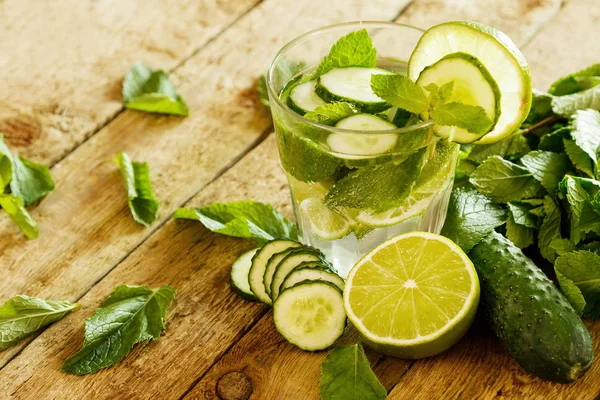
[[62, 65]]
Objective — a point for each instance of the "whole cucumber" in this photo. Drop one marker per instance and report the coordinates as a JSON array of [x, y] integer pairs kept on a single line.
[[537, 325]]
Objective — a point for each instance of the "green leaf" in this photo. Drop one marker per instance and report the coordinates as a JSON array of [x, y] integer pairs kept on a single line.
[[471, 217], [520, 235], [5, 168], [579, 158], [503, 180], [263, 94], [574, 83], [401, 92], [22, 315], [346, 374], [513, 146], [330, 114], [130, 315], [379, 187], [586, 132], [553, 141], [541, 108], [245, 219], [550, 229], [29, 181], [472, 118], [353, 50], [562, 246], [136, 177], [583, 269], [15, 209], [521, 213], [580, 192], [571, 292], [151, 91], [566, 106], [547, 168]]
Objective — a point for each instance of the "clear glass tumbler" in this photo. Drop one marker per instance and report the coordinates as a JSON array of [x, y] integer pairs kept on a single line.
[[346, 204]]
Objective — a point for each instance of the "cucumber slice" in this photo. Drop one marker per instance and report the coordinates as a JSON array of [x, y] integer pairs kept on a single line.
[[350, 145], [259, 264], [303, 98], [496, 51], [473, 85], [239, 275], [308, 273], [276, 259], [352, 85], [310, 315], [288, 264]]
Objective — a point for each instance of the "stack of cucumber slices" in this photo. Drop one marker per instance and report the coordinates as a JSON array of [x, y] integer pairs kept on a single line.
[[305, 292]]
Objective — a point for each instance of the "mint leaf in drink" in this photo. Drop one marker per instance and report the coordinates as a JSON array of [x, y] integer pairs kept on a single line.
[[520, 235], [522, 215], [136, 177], [15, 209], [346, 374], [263, 94], [576, 82], [586, 132], [151, 91], [130, 315], [401, 92], [503, 180], [550, 229], [541, 108], [571, 292], [566, 106], [330, 114], [513, 146], [580, 159], [22, 315], [471, 217], [379, 187], [583, 269], [245, 219], [547, 168], [353, 50], [580, 192], [471, 118]]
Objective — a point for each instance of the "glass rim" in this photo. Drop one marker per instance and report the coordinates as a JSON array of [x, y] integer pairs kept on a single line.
[[293, 114]]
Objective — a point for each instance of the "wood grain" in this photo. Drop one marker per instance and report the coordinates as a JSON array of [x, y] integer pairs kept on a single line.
[[62, 62]]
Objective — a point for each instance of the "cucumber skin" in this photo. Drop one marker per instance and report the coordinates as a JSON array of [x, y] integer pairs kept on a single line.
[[526, 311]]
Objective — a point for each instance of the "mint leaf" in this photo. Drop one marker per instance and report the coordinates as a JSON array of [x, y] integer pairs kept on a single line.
[[136, 177], [541, 108], [576, 82], [471, 217], [571, 292], [522, 215], [583, 269], [22, 315], [566, 106], [401, 92], [547, 168], [28, 181], [503, 180], [580, 159], [15, 209], [130, 315], [520, 235], [379, 187], [513, 146], [553, 141], [330, 114], [353, 50], [550, 229], [586, 132], [263, 94], [245, 219], [471, 118], [346, 374], [562, 246], [580, 192], [151, 91]]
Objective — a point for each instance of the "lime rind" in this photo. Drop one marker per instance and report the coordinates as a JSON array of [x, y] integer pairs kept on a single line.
[[326, 223]]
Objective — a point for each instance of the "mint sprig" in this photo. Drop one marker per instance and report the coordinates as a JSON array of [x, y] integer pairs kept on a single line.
[[332, 113], [401, 92], [472, 118], [353, 50]]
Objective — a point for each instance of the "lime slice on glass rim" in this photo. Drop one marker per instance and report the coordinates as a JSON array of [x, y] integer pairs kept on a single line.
[[496, 52], [326, 223], [413, 296]]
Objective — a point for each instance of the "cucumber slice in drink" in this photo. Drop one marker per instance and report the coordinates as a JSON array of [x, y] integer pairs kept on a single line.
[[360, 144], [259, 265], [303, 98], [305, 273], [473, 85], [310, 315], [288, 263], [239, 275], [276, 259], [352, 85], [496, 51]]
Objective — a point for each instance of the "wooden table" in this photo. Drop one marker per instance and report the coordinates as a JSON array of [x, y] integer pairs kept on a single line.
[[61, 68]]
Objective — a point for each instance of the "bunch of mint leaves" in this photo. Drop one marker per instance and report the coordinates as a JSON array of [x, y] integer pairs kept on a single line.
[[540, 187]]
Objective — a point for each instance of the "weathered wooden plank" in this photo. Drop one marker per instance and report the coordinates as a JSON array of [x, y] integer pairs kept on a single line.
[[62, 62]]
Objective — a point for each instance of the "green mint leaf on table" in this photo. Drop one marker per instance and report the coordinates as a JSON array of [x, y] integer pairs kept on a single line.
[[130, 315], [401, 92], [580, 192], [571, 292], [28, 181], [566, 106], [471, 217], [580, 159], [577, 81], [379, 187], [541, 108], [346, 374], [582, 268], [136, 177], [586, 132], [15, 209], [520, 235], [549, 229], [151, 91], [471, 118], [547, 168], [504, 181], [245, 219], [553, 141], [353, 50], [263, 94], [562, 246], [522, 215], [22, 315], [512, 147], [330, 114]]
